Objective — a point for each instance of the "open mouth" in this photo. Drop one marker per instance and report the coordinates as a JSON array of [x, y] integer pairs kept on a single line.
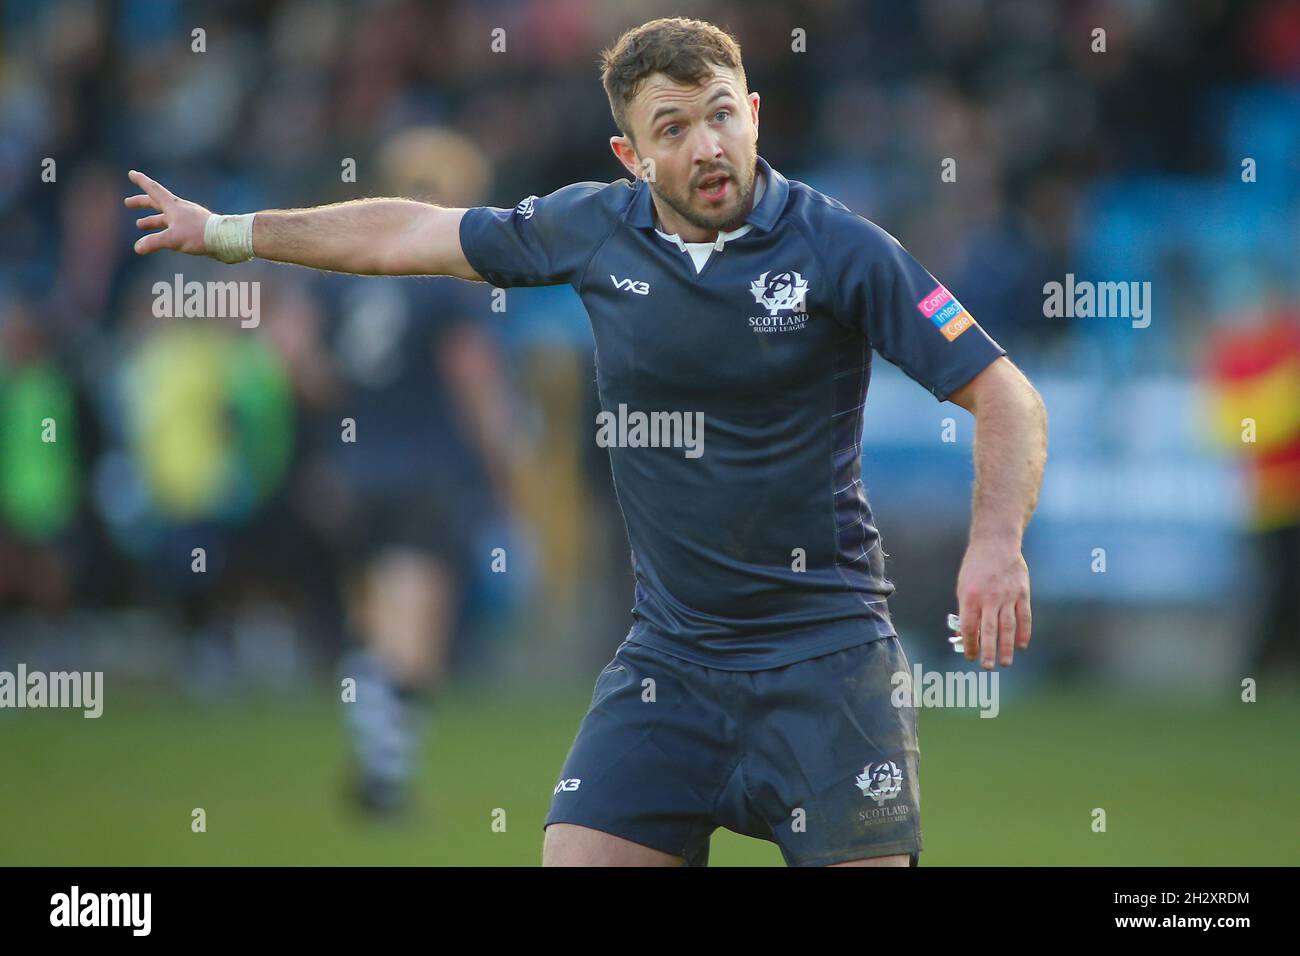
[[714, 187]]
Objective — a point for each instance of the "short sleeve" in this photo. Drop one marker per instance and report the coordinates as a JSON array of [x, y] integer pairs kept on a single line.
[[541, 241], [904, 312]]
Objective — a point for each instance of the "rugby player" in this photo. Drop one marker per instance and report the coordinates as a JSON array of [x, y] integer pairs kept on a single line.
[[753, 690]]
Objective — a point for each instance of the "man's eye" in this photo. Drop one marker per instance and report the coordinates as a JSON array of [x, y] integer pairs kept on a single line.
[[672, 130], [722, 113]]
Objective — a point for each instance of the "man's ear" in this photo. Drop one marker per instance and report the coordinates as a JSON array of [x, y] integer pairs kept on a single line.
[[626, 153], [753, 108]]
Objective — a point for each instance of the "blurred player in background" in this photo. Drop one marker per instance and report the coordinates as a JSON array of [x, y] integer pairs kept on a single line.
[[423, 383], [1252, 368], [717, 288], [39, 479]]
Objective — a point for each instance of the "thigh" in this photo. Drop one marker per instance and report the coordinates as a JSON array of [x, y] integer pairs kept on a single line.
[[650, 758], [898, 859], [568, 844], [833, 765]]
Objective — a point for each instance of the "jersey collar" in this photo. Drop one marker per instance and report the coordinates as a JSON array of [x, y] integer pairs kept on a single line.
[[763, 216]]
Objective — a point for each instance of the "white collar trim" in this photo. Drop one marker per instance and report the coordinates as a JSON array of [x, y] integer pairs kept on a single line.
[[700, 251]]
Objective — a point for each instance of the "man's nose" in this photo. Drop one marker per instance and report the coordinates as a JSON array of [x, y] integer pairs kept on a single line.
[[707, 145]]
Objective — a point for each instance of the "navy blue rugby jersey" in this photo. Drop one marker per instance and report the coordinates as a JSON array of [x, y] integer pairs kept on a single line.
[[753, 544]]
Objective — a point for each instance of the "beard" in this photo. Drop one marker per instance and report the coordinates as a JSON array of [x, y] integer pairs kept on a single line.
[[721, 220]]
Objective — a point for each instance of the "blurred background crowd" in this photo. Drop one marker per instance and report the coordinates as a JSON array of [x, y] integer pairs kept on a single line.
[[1165, 545]]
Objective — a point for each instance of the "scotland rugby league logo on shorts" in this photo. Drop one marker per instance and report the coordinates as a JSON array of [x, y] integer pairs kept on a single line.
[[780, 292], [881, 781]]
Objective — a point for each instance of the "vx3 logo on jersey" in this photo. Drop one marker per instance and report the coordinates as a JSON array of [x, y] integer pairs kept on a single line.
[[631, 285], [780, 292]]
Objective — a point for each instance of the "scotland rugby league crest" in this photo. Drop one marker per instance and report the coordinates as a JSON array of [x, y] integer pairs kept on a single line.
[[881, 781], [780, 292]]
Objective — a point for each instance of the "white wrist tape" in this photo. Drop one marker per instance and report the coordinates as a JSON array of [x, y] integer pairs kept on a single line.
[[229, 238]]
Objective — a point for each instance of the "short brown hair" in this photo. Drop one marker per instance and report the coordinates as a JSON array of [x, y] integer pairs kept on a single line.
[[683, 50]]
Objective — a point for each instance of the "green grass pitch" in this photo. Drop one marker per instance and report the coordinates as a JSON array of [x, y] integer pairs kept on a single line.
[[1181, 784]]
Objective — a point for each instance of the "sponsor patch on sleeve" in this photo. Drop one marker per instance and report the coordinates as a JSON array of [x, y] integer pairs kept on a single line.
[[946, 313]]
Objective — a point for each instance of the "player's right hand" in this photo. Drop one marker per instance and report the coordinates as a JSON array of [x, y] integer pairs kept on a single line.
[[180, 220]]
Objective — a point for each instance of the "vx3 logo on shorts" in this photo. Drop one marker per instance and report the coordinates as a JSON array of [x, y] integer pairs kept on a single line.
[[880, 782], [568, 786]]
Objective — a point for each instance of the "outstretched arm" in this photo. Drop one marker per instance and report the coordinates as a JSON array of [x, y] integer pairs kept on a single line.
[[1010, 453], [391, 237]]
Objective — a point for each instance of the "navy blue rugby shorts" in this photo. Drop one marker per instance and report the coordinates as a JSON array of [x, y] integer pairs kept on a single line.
[[814, 756]]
